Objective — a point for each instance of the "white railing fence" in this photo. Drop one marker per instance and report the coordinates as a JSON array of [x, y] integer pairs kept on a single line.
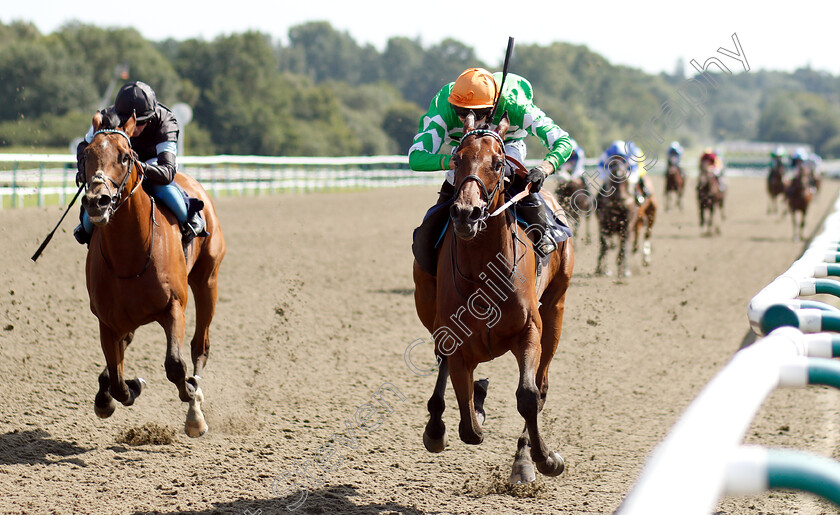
[[702, 458]]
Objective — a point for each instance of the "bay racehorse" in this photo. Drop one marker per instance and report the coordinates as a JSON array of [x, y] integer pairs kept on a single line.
[[617, 215], [645, 217], [576, 199], [488, 299], [798, 195], [137, 271], [776, 185], [674, 185], [709, 198]]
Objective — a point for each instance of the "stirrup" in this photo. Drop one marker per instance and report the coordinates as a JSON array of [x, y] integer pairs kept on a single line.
[[546, 245], [193, 227], [81, 235]]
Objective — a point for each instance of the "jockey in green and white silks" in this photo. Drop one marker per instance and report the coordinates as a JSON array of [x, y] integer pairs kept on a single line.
[[441, 128]]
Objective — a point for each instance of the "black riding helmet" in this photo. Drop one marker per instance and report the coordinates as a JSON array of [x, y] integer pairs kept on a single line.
[[136, 97]]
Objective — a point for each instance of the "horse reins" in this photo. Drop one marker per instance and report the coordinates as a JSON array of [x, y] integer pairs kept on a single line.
[[117, 201], [520, 169]]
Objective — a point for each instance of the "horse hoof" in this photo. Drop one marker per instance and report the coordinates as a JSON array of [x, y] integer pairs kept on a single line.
[[104, 405], [523, 472], [434, 444], [195, 429], [553, 466], [470, 436]]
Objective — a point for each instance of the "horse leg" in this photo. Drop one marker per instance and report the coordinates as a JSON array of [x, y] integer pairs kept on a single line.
[[551, 313], [646, 250], [461, 374], [204, 286], [434, 437], [205, 292], [103, 403], [528, 403], [599, 268], [623, 241], [637, 227], [112, 384], [176, 371]]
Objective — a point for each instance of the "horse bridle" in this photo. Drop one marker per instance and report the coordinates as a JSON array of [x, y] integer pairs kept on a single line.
[[488, 198], [116, 203], [116, 200]]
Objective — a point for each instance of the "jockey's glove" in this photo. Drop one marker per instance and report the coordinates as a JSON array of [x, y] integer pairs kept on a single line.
[[536, 176], [80, 175]]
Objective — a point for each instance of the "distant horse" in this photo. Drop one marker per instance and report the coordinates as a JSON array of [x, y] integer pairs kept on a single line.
[[709, 198], [576, 199], [488, 299], [674, 185], [799, 194], [645, 217], [617, 215], [137, 271], [776, 185]]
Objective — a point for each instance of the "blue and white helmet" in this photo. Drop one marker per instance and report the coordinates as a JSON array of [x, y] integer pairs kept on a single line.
[[577, 151], [634, 155], [675, 148], [617, 148], [800, 155]]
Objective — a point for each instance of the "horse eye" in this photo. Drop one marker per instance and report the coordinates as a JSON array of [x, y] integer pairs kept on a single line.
[[125, 159]]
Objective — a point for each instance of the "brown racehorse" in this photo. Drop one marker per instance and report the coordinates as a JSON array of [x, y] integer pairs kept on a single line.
[[799, 194], [674, 185], [709, 197], [486, 300], [137, 272], [776, 185], [575, 198], [617, 214], [645, 217]]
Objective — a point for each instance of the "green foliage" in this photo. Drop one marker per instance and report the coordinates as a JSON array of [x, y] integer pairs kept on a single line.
[[48, 130], [325, 94]]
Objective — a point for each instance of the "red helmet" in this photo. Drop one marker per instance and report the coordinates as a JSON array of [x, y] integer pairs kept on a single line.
[[709, 156]]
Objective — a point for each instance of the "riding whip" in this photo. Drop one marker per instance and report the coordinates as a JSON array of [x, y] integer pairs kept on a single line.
[[508, 54], [50, 235]]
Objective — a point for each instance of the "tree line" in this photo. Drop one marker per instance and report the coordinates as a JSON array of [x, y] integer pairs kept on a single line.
[[323, 94]]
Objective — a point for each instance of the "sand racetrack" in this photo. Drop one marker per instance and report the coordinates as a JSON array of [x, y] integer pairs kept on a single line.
[[314, 314]]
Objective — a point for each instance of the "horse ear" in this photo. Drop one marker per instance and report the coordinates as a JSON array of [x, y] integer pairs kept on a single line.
[[130, 124], [504, 125], [469, 122], [97, 121]]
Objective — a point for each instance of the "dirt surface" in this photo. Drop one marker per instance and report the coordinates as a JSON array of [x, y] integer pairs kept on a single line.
[[314, 314]]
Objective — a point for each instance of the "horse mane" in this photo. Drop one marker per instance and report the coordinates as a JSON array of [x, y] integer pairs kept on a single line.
[[110, 119]]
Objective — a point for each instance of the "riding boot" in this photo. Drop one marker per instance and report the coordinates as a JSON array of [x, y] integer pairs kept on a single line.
[[642, 192], [81, 233], [193, 227], [427, 236], [532, 210]]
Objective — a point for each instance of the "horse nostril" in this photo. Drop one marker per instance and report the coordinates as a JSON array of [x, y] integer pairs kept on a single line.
[[454, 212], [103, 201], [475, 214]]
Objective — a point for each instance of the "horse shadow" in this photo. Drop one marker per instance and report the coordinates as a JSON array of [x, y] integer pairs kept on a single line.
[[36, 446], [333, 499]]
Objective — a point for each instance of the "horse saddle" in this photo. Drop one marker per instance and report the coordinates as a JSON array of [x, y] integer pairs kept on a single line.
[[427, 238]]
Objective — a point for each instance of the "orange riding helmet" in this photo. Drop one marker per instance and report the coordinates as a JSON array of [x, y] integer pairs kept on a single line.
[[474, 89]]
